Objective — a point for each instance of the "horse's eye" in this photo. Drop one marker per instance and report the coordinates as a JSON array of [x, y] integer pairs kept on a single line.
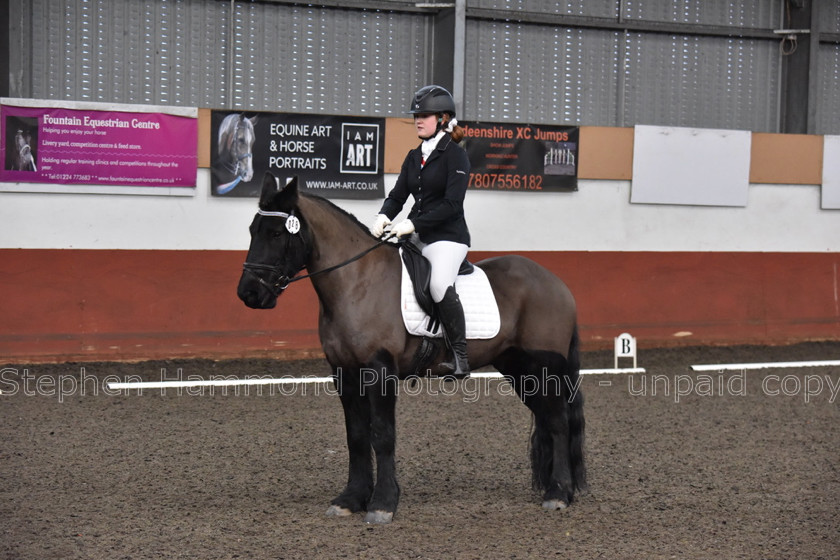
[[277, 234]]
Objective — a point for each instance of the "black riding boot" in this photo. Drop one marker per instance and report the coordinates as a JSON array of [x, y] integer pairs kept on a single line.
[[455, 330]]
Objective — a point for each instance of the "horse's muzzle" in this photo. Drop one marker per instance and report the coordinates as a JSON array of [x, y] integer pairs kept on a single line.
[[255, 292]]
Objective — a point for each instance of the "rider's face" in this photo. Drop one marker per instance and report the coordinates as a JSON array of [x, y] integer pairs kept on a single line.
[[426, 124]]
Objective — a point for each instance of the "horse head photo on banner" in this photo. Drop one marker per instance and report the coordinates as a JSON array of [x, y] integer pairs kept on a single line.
[[20, 144], [236, 150]]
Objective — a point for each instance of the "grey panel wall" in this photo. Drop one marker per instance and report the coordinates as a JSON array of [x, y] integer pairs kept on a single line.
[[303, 58], [256, 56], [698, 81], [828, 72], [736, 13], [534, 73], [589, 62], [582, 75], [170, 53]]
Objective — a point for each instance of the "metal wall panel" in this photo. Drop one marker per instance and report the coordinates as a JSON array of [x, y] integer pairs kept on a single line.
[[828, 90], [741, 13], [123, 51], [592, 8], [540, 74], [310, 59], [532, 73], [829, 16], [306, 58], [828, 71], [697, 81], [263, 56]]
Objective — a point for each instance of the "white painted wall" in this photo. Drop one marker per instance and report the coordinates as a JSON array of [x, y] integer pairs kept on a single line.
[[599, 217]]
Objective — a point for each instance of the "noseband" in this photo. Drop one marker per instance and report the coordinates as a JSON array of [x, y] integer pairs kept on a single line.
[[277, 281]]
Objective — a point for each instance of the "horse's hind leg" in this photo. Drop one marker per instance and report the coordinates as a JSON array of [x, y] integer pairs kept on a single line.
[[357, 423], [550, 454]]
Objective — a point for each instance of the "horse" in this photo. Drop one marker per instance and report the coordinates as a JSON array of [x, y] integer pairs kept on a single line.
[[357, 281], [22, 152], [235, 149]]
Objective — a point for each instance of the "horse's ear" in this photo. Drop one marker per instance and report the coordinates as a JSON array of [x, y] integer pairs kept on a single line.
[[277, 194]]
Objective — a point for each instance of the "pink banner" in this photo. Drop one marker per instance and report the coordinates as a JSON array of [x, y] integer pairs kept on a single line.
[[71, 146]]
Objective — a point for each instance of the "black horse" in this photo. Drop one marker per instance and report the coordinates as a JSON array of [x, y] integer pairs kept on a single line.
[[362, 331]]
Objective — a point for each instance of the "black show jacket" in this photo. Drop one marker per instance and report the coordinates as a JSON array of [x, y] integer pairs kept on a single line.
[[438, 190]]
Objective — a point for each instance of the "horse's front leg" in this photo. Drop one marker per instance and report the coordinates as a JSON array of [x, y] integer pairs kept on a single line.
[[381, 386], [357, 421]]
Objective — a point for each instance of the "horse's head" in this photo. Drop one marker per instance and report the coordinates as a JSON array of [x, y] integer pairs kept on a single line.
[[23, 152], [280, 245], [236, 142]]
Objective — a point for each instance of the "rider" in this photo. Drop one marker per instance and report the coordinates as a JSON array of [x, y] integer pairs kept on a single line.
[[436, 175]]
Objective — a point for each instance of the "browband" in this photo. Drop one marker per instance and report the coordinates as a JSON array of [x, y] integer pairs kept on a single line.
[[262, 212], [292, 222]]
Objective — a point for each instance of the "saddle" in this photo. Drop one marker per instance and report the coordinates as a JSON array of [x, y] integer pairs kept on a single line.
[[420, 271]]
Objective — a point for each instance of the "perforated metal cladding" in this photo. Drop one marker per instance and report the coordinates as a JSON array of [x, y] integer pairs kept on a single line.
[[169, 53], [828, 90], [828, 73], [594, 8], [263, 56], [701, 81], [321, 59], [740, 13], [533, 73], [302, 58], [550, 74]]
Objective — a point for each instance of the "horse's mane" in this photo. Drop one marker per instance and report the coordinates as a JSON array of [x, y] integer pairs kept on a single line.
[[226, 130], [337, 209]]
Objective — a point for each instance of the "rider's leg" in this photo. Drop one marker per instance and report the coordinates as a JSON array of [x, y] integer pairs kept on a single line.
[[446, 258]]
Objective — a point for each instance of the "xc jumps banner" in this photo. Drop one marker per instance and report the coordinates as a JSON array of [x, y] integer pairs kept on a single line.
[[517, 157]]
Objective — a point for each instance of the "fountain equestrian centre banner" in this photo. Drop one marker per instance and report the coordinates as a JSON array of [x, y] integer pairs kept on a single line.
[[69, 143], [333, 156]]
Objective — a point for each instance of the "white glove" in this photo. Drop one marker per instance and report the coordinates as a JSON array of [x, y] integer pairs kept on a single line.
[[379, 225], [405, 227]]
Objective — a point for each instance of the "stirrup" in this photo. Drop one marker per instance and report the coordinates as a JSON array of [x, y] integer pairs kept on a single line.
[[453, 367]]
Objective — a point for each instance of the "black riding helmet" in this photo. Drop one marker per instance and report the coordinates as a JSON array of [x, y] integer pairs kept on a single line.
[[432, 99]]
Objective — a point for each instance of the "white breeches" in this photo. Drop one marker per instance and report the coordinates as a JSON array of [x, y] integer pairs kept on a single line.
[[446, 258]]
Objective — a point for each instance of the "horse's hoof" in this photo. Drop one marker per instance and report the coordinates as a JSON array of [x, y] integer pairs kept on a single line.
[[338, 511], [553, 505], [379, 516]]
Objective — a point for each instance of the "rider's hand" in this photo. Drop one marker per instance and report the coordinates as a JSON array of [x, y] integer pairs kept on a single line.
[[405, 227], [379, 225]]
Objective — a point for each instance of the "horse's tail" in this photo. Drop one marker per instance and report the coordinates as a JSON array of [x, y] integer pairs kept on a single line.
[[576, 421]]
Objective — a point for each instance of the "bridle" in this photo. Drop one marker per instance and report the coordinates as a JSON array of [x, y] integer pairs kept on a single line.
[[277, 281]]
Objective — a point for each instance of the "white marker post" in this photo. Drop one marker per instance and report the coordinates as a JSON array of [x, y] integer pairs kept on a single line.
[[625, 347]]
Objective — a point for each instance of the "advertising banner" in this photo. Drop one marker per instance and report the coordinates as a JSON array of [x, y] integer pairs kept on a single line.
[[514, 157], [333, 156], [64, 145]]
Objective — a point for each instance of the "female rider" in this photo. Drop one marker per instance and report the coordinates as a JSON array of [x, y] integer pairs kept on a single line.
[[436, 175]]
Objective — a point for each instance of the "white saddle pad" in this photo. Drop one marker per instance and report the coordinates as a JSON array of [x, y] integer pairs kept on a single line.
[[480, 309]]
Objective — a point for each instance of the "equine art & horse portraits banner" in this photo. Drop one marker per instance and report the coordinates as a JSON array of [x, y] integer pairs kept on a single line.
[[333, 156], [69, 143]]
